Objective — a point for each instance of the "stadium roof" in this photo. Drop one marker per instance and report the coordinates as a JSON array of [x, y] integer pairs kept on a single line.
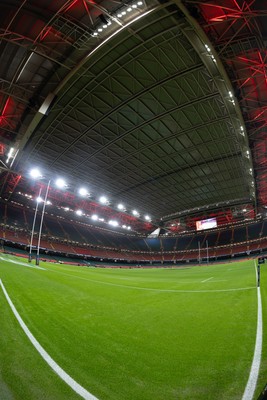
[[160, 105]]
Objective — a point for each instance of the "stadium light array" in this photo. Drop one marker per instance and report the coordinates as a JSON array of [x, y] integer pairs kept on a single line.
[[103, 200], [113, 222], [60, 183], [130, 8], [83, 192], [35, 173], [39, 199]]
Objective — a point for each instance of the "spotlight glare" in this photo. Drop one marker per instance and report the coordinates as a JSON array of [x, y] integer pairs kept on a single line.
[[113, 222], [94, 217], [120, 206], [39, 199], [135, 213], [60, 183], [147, 218], [103, 200], [35, 173], [79, 212], [83, 192]]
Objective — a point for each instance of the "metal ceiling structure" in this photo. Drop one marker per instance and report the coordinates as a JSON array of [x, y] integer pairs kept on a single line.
[[158, 104]]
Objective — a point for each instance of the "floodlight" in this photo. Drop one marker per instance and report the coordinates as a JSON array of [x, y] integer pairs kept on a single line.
[[39, 199], [94, 217], [124, 226], [147, 218], [113, 222], [83, 192], [103, 200], [79, 212], [129, 9], [35, 173], [135, 212], [140, 3], [121, 206], [129, 228], [48, 202], [60, 183]]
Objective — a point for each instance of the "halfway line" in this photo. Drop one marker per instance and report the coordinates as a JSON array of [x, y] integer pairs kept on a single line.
[[57, 369], [206, 280]]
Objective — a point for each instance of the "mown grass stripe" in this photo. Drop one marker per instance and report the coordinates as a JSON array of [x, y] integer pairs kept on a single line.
[[154, 289]]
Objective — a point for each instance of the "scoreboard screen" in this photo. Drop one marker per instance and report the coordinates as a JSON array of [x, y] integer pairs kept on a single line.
[[206, 224]]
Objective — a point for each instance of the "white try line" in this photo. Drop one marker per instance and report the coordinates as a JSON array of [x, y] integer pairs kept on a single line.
[[255, 366], [206, 280], [21, 263], [56, 368]]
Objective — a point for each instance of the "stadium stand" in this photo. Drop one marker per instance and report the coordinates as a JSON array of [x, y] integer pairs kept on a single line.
[[64, 237]]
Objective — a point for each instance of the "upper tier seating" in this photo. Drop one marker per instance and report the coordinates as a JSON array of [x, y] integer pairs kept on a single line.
[[77, 238]]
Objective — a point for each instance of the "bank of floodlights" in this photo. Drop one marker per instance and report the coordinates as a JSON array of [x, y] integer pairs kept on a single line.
[[60, 183]]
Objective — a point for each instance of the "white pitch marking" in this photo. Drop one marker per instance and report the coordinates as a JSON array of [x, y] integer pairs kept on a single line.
[[58, 370], [206, 280], [21, 263], [255, 366], [152, 289]]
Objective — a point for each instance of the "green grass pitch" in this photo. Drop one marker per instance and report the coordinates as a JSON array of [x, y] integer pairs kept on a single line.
[[157, 334]]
